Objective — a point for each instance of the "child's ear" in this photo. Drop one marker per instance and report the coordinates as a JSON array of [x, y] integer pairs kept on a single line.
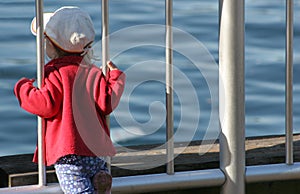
[[50, 49]]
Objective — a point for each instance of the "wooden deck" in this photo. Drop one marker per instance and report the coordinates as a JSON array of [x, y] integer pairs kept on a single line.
[[140, 160]]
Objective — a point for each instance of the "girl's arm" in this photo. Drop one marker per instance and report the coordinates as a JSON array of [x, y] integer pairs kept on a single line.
[[44, 102], [111, 89]]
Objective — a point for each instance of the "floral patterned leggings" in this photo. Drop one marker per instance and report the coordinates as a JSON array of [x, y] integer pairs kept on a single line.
[[75, 173]]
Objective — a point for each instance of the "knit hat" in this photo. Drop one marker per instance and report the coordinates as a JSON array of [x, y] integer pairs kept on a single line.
[[69, 28]]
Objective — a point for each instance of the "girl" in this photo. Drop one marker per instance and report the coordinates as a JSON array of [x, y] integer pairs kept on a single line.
[[73, 103]]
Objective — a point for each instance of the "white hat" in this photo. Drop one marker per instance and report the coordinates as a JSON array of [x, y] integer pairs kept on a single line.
[[69, 28]]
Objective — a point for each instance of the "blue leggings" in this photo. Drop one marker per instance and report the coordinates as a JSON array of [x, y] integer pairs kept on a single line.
[[75, 173]]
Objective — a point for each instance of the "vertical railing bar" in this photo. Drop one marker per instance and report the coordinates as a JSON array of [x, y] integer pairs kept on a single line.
[[169, 87], [232, 95], [40, 78], [105, 35], [289, 82], [105, 53]]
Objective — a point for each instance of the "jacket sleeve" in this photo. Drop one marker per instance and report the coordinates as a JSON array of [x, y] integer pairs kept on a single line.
[[44, 102], [110, 91]]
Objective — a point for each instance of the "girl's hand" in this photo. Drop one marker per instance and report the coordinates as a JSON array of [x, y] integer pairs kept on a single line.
[[111, 66]]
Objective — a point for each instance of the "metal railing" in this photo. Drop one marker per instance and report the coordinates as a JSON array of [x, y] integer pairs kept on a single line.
[[233, 173], [105, 52], [289, 81], [40, 77], [232, 94], [169, 87]]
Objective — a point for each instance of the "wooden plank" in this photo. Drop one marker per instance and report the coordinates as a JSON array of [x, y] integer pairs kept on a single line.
[[19, 170]]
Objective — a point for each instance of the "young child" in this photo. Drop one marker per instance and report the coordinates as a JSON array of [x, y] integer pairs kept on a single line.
[[73, 102]]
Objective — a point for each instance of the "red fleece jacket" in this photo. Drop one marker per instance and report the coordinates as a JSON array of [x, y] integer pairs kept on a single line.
[[73, 103]]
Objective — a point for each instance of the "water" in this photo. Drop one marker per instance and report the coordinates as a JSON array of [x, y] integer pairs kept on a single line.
[[140, 117]]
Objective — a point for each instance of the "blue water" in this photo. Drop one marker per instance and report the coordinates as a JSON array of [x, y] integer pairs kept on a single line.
[[143, 121]]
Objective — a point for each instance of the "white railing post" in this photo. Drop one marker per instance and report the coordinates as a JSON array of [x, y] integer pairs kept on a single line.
[[40, 78], [169, 87], [232, 95], [289, 82]]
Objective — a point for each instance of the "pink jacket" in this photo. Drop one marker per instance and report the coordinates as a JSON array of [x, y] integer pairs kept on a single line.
[[73, 103]]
